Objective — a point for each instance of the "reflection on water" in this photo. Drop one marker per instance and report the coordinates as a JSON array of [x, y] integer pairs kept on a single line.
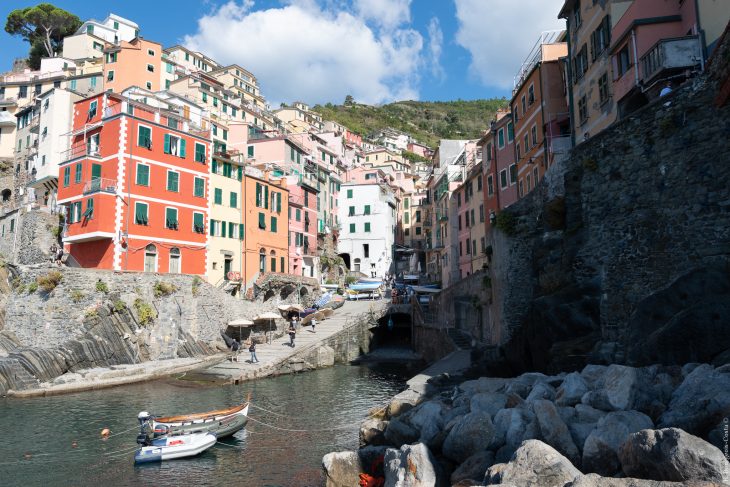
[[294, 421]]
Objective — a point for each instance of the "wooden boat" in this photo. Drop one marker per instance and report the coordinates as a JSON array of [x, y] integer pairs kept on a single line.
[[222, 422], [172, 447]]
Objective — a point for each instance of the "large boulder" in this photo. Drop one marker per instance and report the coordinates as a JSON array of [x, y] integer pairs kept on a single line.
[[372, 432], [554, 431], [700, 402], [533, 464], [483, 384], [672, 454], [426, 418], [622, 388], [510, 426], [411, 466], [488, 402], [594, 480], [600, 451], [473, 468], [540, 391], [342, 469], [471, 434], [400, 433], [572, 389]]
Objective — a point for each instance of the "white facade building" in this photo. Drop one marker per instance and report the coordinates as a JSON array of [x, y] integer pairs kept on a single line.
[[88, 41], [368, 218]]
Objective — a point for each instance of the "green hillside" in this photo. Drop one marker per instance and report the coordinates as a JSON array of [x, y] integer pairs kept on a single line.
[[426, 121]]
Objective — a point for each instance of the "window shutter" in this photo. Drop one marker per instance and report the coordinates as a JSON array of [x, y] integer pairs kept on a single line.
[[197, 221], [218, 197], [273, 224], [278, 202], [240, 173], [223, 229], [231, 231], [258, 195], [262, 221], [167, 143], [182, 148], [212, 228], [240, 231], [266, 197], [234, 200]]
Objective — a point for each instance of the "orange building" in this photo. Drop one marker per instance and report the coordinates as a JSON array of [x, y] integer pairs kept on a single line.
[[134, 63], [134, 184], [266, 223]]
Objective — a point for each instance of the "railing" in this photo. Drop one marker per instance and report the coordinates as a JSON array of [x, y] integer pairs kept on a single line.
[[680, 52], [100, 185], [81, 150]]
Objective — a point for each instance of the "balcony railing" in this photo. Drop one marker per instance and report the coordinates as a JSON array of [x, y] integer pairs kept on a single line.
[[677, 53], [81, 150], [97, 185]]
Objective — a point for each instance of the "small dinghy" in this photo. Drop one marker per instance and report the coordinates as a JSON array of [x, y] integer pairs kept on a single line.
[[172, 447], [223, 422]]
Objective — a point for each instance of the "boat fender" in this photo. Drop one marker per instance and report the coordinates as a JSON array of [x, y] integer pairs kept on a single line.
[[105, 433]]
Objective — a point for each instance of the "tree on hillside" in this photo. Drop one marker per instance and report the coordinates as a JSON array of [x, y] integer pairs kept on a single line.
[[349, 100], [44, 27]]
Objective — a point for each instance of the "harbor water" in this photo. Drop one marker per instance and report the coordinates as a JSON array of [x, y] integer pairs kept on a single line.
[[294, 421]]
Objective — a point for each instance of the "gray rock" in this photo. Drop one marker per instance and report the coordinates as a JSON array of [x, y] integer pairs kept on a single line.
[[483, 384], [509, 427], [325, 357], [688, 368], [540, 391], [448, 414], [372, 432], [594, 480], [593, 374], [567, 414], [426, 418], [554, 431], [342, 469], [400, 433], [600, 451], [580, 433], [571, 391], [474, 467], [521, 389], [533, 464], [411, 466], [471, 434], [587, 414], [488, 402], [700, 402], [672, 454], [627, 387]]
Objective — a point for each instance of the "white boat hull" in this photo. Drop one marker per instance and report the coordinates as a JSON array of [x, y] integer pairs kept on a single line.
[[172, 447]]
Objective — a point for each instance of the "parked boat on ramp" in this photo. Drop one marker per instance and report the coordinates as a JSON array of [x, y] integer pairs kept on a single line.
[[172, 447]]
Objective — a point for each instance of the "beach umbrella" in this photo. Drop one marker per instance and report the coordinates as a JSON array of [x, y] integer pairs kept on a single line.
[[240, 323], [270, 317]]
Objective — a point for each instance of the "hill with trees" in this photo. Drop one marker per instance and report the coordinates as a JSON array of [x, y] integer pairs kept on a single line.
[[426, 121]]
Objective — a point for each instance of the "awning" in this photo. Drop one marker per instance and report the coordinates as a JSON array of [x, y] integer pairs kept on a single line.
[[425, 290], [240, 322]]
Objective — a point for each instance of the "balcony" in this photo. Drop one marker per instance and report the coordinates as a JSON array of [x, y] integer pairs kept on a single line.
[[81, 150], [8, 101], [560, 145], [103, 185], [7, 120], [670, 54]]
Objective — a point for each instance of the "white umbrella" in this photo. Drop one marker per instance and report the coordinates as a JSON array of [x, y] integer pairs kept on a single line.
[[267, 316], [240, 323]]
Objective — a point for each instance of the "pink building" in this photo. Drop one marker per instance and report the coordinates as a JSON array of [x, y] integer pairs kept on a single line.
[[502, 169], [420, 149], [353, 138], [302, 231], [650, 44]]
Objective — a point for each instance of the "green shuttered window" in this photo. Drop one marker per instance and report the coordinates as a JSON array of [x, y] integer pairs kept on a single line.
[[143, 175], [173, 181]]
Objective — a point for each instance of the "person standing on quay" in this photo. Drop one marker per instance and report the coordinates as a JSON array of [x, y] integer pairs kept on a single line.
[[292, 334], [252, 349]]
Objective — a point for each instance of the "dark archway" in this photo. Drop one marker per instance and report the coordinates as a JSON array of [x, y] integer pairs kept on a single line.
[[346, 258], [269, 294], [7, 194], [286, 291]]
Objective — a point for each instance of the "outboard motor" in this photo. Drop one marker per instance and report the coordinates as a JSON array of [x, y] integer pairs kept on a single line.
[[145, 428]]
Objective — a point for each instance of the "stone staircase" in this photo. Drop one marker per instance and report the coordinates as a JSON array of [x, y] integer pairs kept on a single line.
[[461, 340]]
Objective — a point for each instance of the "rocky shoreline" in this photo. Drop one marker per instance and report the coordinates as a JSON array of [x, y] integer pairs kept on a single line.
[[614, 426]]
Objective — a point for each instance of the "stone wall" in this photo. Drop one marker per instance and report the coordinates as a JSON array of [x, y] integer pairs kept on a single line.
[[31, 238], [623, 254]]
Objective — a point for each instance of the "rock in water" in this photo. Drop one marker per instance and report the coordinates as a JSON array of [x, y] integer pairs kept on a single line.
[[533, 464], [471, 434], [554, 431], [672, 454], [473, 467], [600, 451], [571, 390], [342, 469], [372, 432], [411, 466]]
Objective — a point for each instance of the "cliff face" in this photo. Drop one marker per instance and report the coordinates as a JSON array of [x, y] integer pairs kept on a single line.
[[622, 255]]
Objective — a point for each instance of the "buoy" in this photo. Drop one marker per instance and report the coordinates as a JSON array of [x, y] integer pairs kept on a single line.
[[74, 444], [105, 433], [27, 455]]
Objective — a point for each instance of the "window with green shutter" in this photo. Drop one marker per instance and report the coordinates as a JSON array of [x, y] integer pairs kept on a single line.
[[262, 221], [239, 173], [278, 202], [234, 200], [259, 195], [231, 230], [89, 213], [66, 175], [143, 175], [214, 167], [273, 224], [273, 264], [266, 197], [199, 187], [283, 268], [250, 151], [406, 217], [199, 152], [78, 170], [171, 218], [240, 231], [352, 228], [349, 193], [140, 213], [182, 152], [173, 181], [198, 223], [144, 137], [212, 224], [367, 210], [218, 196], [367, 226], [223, 227], [352, 211], [227, 169], [298, 214]]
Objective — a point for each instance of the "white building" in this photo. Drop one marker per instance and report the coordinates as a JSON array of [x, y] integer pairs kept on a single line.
[[89, 39], [55, 111], [368, 218]]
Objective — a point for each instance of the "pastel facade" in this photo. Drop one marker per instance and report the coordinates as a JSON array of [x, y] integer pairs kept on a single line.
[[471, 222], [303, 258], [133, 63]]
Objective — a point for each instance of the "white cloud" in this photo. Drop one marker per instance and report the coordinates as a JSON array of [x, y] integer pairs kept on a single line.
[[500, 33], [435, 45], [303, 51], [386, 13]]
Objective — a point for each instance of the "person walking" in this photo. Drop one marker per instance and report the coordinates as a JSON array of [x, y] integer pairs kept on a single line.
[[292, 335], [313, 323], [252, 349]]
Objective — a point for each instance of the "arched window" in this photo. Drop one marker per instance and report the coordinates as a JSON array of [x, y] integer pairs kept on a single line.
[[174, 260], [273, 261], [150, 258], [6, 194], [262, 261]]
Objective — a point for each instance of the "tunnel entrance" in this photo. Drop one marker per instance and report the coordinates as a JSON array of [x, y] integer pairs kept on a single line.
[[393, 331]]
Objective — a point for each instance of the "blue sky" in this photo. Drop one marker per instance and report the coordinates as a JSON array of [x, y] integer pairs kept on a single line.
[[318, 51]]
